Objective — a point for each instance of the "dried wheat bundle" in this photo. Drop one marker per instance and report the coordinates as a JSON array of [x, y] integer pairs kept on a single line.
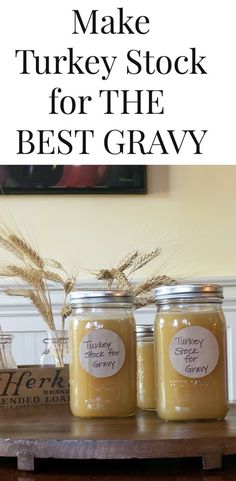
[[34, 272], [121, 276]]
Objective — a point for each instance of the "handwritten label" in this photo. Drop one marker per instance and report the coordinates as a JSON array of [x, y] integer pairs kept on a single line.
[[102, 353], [194, 351]]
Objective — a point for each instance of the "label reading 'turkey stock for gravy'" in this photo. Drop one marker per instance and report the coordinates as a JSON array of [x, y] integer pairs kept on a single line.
[[102, 353], [194, 351]]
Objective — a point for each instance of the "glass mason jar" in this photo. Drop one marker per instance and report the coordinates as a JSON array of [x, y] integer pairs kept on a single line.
[[145, 367], [56, 350], [190, 353], [103, 354], [6, 358]]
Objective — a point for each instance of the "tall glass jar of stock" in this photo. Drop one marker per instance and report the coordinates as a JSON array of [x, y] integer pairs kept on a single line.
[[190, 353], [103, 354]]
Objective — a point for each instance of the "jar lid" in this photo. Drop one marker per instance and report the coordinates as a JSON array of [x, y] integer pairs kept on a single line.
[[88, 297], [144, 330], [189, 292]]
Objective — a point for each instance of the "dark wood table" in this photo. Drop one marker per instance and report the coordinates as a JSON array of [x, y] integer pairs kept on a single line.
[[53, 433]]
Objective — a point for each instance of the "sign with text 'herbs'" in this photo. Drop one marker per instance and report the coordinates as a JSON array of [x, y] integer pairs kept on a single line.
[[33, 386]]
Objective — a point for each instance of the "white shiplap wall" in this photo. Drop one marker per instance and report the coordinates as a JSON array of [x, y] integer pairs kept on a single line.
[[19, 317]]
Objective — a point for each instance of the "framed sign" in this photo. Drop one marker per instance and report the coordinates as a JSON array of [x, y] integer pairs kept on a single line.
[[73, 179]]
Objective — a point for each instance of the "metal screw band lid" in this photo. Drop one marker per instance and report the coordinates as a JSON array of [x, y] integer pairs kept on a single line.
[[89, 297], [144, 331], [189, 293]]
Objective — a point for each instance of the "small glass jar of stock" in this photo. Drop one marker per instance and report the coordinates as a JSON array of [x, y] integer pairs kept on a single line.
[[190, 353], [6, 357], [102, 369], [145, 367]]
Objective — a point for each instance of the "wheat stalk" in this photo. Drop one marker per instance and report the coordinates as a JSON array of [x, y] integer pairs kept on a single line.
[[132, 263], [17, 292], [69, 285], [143, 301], [66, 310], [104, 275], [22, 247], [112, 275], [128, 261], [55, 265], [9, 247], [152, 282], [122, 281], [53, 276], [29, 275], [34, 273], [37, 301], [41, 303], [144, 259]]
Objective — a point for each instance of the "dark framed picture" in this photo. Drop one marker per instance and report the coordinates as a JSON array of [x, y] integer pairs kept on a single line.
[[73, 179]]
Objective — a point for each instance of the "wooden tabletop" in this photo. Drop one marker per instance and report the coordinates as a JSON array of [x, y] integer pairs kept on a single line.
[[53, 432]]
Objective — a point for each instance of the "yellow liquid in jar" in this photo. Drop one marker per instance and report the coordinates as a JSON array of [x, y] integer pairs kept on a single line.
[[110, 396], [145, 375], [185, 398]]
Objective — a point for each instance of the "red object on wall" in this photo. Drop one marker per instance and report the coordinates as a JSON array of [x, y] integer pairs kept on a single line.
[[83, 175]]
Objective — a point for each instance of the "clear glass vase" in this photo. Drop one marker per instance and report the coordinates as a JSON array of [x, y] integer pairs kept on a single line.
[[6, 358], [56, 349]]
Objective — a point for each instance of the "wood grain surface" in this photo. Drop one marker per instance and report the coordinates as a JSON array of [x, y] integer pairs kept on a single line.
[[53, 432]]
